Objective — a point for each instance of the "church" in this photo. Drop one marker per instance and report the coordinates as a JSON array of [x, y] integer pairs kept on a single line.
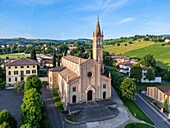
[[80, 80]]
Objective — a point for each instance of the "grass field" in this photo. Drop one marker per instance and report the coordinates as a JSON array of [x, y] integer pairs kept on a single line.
[[137, 125], [136, 111], [160, 53], [123, 49], [13, 56], [140, 49]]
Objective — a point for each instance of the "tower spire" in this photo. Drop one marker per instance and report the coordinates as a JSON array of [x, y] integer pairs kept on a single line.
[[98, 31]]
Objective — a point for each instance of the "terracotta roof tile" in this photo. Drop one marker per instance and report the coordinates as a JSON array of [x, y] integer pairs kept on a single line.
[[75, 59], [22, 61], [164, 89], [68, 73]]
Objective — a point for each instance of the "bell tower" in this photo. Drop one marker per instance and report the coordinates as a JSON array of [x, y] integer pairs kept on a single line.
[[98, 44]]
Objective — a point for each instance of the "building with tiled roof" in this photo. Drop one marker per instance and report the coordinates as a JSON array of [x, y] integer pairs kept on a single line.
[[80, 80], [159, 93], [19, 69]]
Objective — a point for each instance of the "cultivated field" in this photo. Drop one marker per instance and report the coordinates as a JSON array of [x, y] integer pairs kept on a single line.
[[123, 49], [13, 56], [140, 49]]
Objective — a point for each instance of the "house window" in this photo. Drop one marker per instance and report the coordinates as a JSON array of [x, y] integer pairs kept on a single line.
[[74, 89], [22, 78], [9, 67], [15, 78], [22, 66], [33, 66], [15, 72], [15, 66], [9, 79], [27, 66], [33, 71], [50, 79], [27, 71], [9, 73], [104, 85]]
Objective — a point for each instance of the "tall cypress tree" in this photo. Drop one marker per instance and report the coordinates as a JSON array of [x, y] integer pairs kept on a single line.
[[54, 59], [33, 54]]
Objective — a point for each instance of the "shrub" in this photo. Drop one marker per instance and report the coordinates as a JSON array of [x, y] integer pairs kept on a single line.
[[118, 44], [5, 116]]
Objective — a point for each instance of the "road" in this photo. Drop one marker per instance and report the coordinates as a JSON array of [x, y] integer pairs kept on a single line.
[[51, 110], [158, 119]]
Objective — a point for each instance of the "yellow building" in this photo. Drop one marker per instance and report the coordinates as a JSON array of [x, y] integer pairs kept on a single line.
[[19, 69], [159, 93], [80, 80]]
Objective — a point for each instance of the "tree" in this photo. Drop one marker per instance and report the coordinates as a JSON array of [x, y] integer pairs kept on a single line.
[[149, 61], [33, 54], [5, 116], [54, 59], [5, 125], [28, 125], [150, 75], [31, 107], [128, 88], [33, 81], [165, 105], [136, 73], [19, 86]]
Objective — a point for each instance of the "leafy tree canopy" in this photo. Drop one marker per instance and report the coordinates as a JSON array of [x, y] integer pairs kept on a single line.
[[150, 75], [128, 88], [5, 116], [19, 86], [149, 61], [33, 81], [136, 73]]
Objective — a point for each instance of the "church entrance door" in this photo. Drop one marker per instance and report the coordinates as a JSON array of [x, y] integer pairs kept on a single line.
[[89, 95]]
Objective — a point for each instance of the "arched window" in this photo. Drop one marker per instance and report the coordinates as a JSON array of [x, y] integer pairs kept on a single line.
[[74, 99], [104, 95]]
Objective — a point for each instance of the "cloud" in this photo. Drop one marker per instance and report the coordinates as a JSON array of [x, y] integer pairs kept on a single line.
[[103, 5], [125, 20]]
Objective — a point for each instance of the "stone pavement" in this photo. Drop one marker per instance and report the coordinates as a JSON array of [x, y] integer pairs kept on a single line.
[[118, 122], [10, 100]]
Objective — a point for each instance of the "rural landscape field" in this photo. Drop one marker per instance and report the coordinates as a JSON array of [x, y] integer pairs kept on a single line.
[[139, 49]]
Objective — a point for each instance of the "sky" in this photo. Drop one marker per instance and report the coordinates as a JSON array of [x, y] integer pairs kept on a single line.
[[73, 19]]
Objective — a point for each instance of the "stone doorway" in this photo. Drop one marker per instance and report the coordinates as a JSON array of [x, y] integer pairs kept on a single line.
[[104, 95], [89, 95]]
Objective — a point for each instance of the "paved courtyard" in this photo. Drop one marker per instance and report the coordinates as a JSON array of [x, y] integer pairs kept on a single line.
[[11, 101], [117, 122]]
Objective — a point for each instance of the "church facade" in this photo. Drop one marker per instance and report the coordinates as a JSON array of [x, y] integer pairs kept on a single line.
[[80, 80]]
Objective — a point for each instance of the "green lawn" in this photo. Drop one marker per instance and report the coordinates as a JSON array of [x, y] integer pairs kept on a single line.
[[137, 125], [57, 99], [160, 53], [13, 56], [123, 49], [136, 111]]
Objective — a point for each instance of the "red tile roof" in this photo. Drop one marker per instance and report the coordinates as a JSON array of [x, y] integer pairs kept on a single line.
[[164, 89], [75, 59], [22, 61]]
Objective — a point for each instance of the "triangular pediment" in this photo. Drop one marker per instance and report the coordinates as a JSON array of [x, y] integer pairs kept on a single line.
[[90, 87]]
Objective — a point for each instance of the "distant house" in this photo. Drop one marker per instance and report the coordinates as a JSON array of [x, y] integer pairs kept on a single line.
[[71, 48], [121, 59], [6, 61], [159, 93], [19, 70], [125, 68]]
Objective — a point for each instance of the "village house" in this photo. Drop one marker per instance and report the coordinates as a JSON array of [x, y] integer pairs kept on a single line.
[[159, 93], [19, 70], [81, 80]]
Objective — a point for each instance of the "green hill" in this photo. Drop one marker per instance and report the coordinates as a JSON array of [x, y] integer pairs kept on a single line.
[[123, 49], [140, 49], [160, 53]]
